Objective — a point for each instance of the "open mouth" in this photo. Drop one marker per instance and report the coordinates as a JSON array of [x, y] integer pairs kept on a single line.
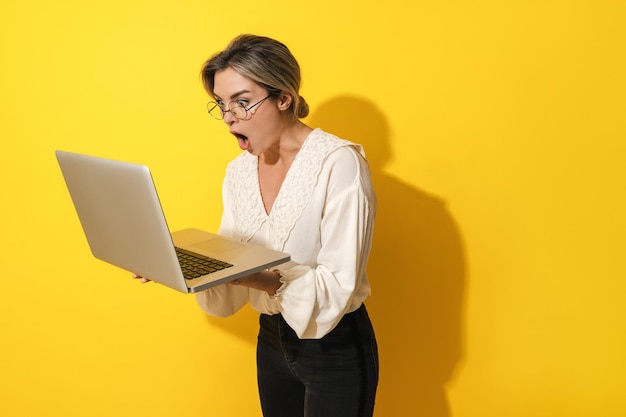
[[242, 140]]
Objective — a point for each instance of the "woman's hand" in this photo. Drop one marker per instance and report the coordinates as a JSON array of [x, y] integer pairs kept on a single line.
[[140, 278], [268, 281]]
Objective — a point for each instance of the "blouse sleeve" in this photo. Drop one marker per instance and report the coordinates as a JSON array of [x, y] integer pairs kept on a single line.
[[314, 299]]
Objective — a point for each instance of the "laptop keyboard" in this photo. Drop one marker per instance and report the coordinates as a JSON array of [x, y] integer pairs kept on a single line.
[[195, 265]]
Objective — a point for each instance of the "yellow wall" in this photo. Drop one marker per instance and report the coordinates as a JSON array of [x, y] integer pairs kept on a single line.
[[496, 132]]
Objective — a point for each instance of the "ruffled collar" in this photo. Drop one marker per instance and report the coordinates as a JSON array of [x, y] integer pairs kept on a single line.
[[294, 194]]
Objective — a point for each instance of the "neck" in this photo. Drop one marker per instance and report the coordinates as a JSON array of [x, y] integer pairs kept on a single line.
[[286, 147]]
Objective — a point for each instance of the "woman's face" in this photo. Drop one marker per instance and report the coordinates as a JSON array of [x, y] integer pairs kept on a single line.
[[261, 127]]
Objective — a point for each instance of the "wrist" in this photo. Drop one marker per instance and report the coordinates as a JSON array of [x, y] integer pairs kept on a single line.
[[274, 282]]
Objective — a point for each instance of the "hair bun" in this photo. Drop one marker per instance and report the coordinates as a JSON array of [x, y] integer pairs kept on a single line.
[[303, 108]]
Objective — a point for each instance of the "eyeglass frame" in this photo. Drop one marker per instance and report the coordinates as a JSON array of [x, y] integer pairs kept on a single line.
[[237, 104]]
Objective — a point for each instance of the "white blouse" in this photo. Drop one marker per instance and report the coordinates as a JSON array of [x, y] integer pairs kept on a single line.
[[323, 216]]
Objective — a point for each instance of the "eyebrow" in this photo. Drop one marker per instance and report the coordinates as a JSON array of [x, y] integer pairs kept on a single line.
[[235, 95]]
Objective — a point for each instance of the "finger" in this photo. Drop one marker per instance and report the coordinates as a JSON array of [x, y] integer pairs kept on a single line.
[[140, 278]]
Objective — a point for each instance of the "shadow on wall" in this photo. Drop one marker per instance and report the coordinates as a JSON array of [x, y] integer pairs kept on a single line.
[[417, 272]]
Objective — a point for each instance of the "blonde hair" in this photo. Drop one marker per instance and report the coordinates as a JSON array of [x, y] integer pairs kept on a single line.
[[265, 61]]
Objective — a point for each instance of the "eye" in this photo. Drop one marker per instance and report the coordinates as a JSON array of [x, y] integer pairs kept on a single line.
[[220, 103], [242, 102]]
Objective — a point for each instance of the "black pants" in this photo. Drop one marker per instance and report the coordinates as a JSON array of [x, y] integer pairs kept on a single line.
[[335, 376]]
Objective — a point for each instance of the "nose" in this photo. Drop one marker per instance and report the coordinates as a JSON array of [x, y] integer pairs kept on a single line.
[[228, 117]]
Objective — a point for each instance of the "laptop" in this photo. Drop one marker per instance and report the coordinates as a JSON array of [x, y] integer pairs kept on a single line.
[[123, 221]]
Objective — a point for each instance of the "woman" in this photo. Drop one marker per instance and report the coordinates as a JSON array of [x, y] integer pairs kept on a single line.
[[307, 193]]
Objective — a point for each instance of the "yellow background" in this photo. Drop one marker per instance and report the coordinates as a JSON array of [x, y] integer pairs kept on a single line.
[[496, 132]]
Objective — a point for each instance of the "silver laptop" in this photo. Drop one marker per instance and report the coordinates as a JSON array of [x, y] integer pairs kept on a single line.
[[123, 221]]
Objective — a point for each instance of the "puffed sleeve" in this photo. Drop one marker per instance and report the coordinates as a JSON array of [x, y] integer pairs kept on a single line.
[[314, 299], [222, 300]]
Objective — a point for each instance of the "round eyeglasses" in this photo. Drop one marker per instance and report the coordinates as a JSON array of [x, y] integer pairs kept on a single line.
[[236, 108]]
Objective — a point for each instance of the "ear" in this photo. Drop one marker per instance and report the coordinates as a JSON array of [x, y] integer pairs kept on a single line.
[[284, 101]]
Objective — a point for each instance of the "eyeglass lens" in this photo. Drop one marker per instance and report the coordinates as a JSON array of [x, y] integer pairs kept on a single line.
[[235, 108]]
